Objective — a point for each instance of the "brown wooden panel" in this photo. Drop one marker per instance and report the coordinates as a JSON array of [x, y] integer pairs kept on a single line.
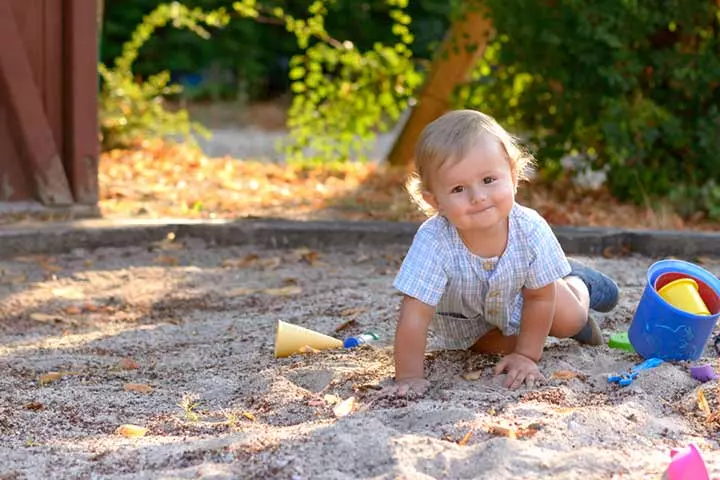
[[24, 101], [52, 81], [81, 118], [48, 103], [28, 16], [14, 184]]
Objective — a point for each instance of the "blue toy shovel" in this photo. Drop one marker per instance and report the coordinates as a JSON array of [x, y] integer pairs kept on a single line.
[[626, 378]]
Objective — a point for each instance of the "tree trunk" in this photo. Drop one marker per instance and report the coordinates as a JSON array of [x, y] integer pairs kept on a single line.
[[463, 45]]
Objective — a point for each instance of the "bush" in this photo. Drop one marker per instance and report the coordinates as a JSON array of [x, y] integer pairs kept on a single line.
[[131, 110], [632, 85], [255, 52], [343, 94]]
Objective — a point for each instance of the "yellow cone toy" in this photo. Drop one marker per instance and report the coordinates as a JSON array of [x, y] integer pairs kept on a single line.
[[291, 338], [683, 293]]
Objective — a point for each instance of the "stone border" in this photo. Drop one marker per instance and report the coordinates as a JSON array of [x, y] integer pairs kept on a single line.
[[54, 238]]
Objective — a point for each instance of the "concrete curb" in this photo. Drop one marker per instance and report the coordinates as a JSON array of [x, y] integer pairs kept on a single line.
[[54, 238]]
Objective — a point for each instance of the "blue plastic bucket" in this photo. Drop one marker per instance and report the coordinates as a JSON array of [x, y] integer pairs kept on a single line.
[[658, 329]]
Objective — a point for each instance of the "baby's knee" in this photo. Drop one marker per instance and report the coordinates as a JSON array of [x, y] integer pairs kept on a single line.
[[573, 292], [571, 312]]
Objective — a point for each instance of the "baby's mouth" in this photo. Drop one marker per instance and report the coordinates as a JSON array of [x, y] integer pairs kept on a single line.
[[483, 210]]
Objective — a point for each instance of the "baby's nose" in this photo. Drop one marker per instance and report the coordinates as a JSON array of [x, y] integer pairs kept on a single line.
[[479, 194]]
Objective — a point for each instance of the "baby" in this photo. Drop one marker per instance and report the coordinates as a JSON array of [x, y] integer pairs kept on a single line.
[[484, 272]]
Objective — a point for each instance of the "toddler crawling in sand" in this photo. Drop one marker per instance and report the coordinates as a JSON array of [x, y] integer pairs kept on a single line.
[[484, 272]]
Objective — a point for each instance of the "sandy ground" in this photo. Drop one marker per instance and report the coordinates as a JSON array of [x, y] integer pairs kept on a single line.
[[191, 326]]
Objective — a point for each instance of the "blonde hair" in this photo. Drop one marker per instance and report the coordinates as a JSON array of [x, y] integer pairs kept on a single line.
[[449, 138]]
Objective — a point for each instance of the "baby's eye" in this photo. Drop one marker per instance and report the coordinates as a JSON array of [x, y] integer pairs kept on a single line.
[[458, 189], [488, 180]]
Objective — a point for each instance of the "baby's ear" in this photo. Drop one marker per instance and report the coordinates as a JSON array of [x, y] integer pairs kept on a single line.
[[430, 199]]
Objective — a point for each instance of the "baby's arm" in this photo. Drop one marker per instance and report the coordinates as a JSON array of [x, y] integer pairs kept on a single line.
[[410, 340], [537, 316]]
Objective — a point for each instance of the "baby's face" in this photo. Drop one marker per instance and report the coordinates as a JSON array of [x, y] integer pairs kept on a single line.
[[477, 192]]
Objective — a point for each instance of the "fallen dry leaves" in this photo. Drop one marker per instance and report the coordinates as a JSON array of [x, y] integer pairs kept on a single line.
[[45, 318], [345, 407], [128, 364], [345, 325], [238, 292], [167, 260], [564, 375], [353, 312], [513, 431], [131, 431], [165, 180], [466, 438], [472, 376], [72, 310], [283, 291], [703, 403], [51, 377], [279, 292], [708, 405], [246, 261], [311, 257], [138, 388], [501, 428], [34, 406], [252, 260]]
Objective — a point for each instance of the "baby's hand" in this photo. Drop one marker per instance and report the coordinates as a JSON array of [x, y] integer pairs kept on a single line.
[[519, 369], [408, 387]]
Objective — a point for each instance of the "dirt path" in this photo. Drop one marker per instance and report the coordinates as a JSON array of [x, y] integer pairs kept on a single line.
[[195, 324]]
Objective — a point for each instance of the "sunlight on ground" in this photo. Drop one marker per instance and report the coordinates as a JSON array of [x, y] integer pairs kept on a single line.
[[71, 340], [208, 394], [81, 319]]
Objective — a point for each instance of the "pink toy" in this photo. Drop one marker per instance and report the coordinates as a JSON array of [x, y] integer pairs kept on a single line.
[[686, 464]]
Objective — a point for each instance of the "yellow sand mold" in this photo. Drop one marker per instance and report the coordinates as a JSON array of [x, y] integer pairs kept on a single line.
[[292, 338]]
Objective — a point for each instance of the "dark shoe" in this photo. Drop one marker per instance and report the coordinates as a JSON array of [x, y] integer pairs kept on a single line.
[[603, 290], [590, 334]]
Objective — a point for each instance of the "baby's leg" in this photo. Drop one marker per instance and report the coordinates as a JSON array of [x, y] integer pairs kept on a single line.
[[571, 318], [572, 301], [495, 342], [592, 290]]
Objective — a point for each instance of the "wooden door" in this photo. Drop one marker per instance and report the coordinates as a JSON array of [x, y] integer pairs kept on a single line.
[[48, 101]]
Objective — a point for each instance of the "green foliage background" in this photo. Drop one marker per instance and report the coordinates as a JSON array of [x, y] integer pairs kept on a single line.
[[630, 85], [258, 51], [633, 84]]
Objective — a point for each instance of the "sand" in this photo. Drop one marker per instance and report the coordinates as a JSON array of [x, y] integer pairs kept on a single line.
[[192, 326]]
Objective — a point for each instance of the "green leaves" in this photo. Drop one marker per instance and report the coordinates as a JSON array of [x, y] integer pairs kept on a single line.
[[635, 83], [344, 96], [131, 110]]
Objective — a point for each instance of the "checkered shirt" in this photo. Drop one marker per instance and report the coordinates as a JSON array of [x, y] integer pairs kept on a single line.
[[472, 294]]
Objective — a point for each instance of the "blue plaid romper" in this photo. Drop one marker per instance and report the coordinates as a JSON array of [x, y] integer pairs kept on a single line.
[[472, 294]]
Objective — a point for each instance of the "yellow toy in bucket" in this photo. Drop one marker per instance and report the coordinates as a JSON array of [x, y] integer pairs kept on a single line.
[[683, 294]]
